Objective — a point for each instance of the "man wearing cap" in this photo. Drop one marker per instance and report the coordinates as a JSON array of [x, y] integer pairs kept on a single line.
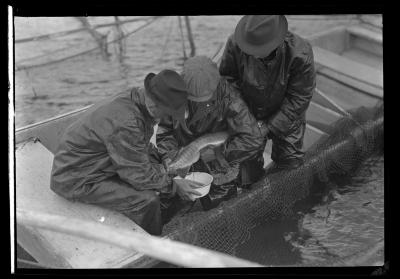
[[274, 70], [105, 158], [214, 105]]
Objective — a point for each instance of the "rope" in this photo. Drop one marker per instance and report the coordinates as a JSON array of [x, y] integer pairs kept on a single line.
[[19, 68], [45, 54], [65, 33], [49, 36]]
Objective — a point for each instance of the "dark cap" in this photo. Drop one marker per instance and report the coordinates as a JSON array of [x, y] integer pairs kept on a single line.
[[168, 91]]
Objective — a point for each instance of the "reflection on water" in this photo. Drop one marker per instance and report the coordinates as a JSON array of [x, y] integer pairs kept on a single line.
[[346, 221], [47, 91], [51, 90]]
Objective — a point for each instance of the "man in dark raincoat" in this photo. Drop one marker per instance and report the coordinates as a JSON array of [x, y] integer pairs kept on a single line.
[[214, 105], [105, 158], [274, 70]]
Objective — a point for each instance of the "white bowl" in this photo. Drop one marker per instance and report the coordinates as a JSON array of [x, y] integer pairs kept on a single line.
[[201, 177]]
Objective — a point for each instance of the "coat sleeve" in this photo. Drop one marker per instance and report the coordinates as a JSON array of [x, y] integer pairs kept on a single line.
[[299, 92], [247, 138], [167, 144], [128, 151], [228, 65]]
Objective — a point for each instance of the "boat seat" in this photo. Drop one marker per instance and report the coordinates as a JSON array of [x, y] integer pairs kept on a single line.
[[321, 117], [33, 168], [358, 71], [365, 33]]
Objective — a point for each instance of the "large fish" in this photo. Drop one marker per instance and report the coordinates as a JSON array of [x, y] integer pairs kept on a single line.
[[190, 154]]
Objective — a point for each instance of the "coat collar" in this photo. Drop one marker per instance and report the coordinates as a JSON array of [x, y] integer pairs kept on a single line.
[[137, 96]]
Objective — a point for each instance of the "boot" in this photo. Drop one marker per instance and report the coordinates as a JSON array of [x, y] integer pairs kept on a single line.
[[218, 194], [250, 172]]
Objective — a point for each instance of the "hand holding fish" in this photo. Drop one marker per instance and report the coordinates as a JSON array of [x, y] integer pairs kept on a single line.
[[190, 154], [173, 171]]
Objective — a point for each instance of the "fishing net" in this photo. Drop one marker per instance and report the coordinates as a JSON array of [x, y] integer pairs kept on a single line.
[[351, 140]]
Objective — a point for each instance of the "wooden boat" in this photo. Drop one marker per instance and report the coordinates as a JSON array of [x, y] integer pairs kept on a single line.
[[349, 67]]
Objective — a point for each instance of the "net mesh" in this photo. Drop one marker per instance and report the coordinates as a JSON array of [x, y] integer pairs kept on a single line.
[[352, 139]]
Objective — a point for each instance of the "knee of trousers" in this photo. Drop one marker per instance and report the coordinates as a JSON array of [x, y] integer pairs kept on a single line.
[[144, 200], [150, 198]]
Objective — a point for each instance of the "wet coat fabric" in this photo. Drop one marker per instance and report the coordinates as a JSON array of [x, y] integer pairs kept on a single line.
[[277, 92], [106, 158], [225, 112]]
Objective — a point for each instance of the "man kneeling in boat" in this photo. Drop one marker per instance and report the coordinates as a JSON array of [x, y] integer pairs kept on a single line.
[[214, 105], [106, 158]]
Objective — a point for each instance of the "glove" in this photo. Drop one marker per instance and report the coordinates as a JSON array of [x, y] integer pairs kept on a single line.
[[166, 163], [181, 172], [185, 188]]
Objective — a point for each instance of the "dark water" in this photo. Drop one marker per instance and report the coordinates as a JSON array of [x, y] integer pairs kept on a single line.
[[345, 220]]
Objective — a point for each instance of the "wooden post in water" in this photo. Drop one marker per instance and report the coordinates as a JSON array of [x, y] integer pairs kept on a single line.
[[182, 39], [190, 37], [120, 35], [100, 38]]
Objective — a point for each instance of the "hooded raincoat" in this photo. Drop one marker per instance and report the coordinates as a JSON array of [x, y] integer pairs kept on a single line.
[[106, 158], [277, 92]]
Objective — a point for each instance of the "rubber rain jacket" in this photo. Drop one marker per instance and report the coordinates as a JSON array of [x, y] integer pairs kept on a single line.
[[277, 92], [226, 111], [106, 158]]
